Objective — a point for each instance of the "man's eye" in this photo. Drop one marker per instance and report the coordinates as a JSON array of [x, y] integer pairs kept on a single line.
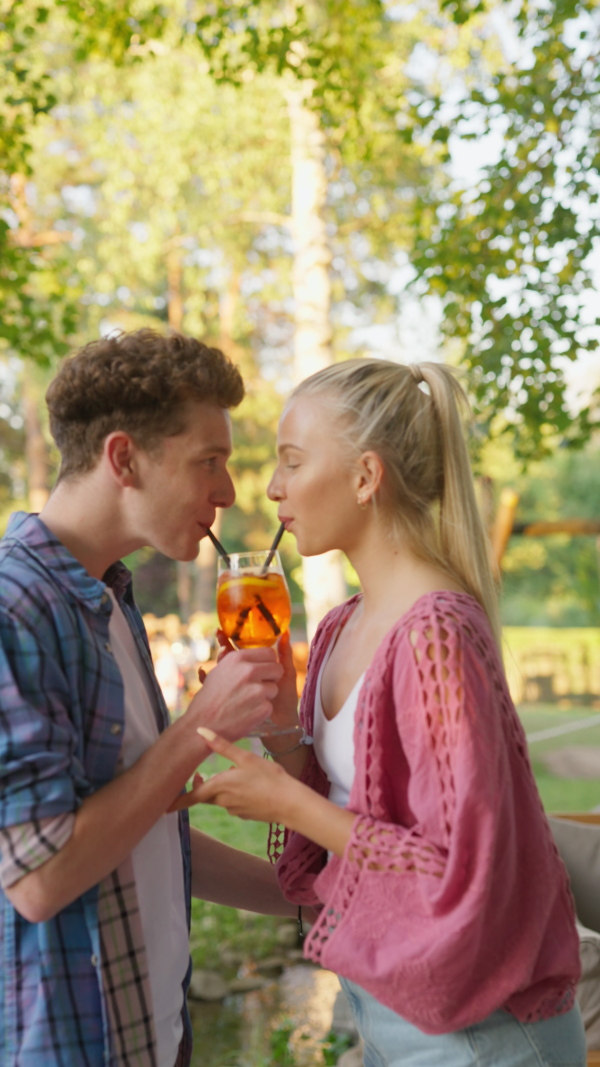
[[210, 463]]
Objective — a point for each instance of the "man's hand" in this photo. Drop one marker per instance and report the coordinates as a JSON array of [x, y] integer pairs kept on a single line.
[[238, 693]]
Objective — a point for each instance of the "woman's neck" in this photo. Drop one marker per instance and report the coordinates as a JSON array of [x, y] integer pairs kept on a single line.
[[392, 576]]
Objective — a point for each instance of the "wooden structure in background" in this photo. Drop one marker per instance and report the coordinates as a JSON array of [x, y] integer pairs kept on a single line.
[[504, 526]]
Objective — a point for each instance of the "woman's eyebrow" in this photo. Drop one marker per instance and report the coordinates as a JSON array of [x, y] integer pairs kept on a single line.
[[288, 446]]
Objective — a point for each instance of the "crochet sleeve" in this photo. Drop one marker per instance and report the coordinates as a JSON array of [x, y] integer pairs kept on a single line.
[[427, 912]]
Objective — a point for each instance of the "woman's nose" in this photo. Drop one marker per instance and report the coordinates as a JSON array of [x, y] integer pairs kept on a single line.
[[274, 488]]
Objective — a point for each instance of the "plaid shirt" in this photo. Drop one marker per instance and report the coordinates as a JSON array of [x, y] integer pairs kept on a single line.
[[73, 990]]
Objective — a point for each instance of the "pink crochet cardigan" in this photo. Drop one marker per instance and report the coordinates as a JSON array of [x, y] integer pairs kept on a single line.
[[451, 900]]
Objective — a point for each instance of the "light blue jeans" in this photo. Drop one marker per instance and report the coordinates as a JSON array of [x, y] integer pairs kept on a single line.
[[498, 1041]]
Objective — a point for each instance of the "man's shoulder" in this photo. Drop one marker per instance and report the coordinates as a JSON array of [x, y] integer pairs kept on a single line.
[[28, 590], [20, 567]]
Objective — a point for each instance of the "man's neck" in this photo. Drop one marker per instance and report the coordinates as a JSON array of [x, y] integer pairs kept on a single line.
[[87, 520]]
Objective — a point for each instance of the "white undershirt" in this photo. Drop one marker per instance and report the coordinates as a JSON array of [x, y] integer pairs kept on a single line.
[[157, 859], [334, 739]]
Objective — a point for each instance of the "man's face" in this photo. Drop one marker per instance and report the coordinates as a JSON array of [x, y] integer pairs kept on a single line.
[[180, 487]]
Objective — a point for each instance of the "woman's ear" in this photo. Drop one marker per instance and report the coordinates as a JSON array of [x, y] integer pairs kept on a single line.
[[119, 453], [370, 475]]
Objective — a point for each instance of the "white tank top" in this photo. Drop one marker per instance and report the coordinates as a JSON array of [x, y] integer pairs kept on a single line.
[[334, 739], [157, 859]]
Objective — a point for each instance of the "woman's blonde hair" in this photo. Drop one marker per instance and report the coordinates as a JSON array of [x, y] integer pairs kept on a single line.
[[411, 417]]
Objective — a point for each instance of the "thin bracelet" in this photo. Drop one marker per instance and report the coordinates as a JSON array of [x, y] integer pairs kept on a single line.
[[304, 740]]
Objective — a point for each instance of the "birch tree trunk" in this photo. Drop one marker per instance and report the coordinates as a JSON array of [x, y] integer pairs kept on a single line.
[[175, 319], [324, 584], [206, 560]]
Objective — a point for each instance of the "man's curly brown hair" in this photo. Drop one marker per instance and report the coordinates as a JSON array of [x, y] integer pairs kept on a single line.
[[137, 382]]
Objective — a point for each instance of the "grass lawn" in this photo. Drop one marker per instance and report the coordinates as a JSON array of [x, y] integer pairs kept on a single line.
[[562, 794], [223, 938]]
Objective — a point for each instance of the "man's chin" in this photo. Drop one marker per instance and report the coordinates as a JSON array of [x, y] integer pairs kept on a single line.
[[180, 555]]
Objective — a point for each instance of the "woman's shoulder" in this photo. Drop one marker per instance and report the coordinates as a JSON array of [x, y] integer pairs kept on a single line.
[[442, 620]]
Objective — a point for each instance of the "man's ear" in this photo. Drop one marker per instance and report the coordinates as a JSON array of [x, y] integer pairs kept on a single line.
[[370, 474], [119, 454]]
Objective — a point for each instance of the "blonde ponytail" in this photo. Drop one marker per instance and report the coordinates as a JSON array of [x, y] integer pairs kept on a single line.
[[411, 416], [463, 539]]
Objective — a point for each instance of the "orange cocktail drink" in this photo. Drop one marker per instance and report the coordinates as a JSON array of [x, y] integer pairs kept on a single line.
[[253, 603]]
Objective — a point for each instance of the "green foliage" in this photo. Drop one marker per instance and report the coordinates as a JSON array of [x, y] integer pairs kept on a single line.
[[113, 27], [279, 1041], [334, 1047], [26, 89], [509, 253], [35, 316]]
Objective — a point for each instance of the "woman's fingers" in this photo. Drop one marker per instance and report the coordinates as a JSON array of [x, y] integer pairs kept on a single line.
[[210, 791], [225, 748], [284, 648], [224, 643]]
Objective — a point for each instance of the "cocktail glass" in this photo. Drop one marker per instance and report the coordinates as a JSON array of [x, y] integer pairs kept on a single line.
[[254, 608]]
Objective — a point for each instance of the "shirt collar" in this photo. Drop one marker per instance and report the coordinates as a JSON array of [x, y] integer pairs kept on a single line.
[[33, 534]]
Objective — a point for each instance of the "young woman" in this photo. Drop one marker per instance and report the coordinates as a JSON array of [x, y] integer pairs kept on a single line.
[[412, 821]]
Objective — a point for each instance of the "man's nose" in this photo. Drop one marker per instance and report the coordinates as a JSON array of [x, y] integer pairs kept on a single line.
[[225, 496]]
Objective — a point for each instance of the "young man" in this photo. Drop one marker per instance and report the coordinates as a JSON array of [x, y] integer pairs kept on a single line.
[[96, 878]]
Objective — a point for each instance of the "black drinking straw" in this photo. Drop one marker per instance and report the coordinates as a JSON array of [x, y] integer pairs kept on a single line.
[[273, 548], [218, 546]]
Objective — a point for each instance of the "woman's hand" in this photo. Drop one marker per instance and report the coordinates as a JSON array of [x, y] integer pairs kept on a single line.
[[253, 788]]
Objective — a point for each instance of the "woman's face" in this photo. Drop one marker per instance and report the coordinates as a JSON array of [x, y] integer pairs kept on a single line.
[[315, 483]]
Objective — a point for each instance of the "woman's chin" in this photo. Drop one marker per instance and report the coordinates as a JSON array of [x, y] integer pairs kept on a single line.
[[308, 548]]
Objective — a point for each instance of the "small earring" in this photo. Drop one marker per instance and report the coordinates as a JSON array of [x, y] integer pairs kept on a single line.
[[363, 502]]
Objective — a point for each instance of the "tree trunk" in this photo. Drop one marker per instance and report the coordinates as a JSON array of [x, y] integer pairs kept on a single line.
[[227, 311], [175, 319], [324, 584], [312, 254], [36, 449]]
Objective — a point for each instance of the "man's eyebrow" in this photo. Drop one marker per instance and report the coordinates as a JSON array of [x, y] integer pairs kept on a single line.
[[211, 450]]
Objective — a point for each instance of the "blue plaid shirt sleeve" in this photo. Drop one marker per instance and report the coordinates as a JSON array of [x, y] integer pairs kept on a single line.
[[41, 773]]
